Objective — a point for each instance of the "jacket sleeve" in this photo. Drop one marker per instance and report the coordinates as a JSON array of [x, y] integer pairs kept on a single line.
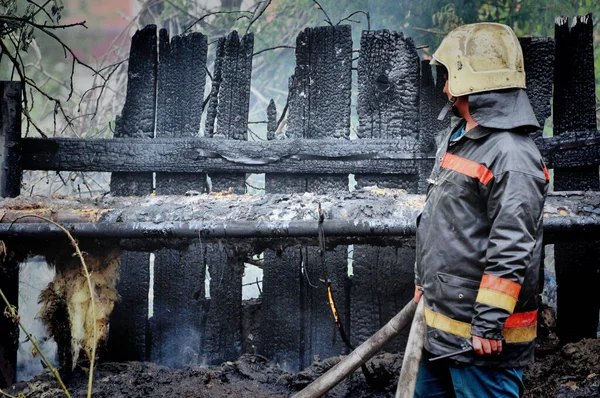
[[515, 205]]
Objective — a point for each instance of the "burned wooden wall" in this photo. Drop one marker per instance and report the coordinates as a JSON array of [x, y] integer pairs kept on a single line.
[[397, 104], [577, 265], [129, 332]]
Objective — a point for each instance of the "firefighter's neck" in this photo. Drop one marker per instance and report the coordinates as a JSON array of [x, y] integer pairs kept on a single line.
[[462, 107]]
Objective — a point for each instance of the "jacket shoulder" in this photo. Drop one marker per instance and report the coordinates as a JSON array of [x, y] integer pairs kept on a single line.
[[512, 151]]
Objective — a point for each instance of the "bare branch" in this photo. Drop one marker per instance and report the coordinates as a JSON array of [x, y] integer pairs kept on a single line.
[[216, 13], [257, 16], [327, 19], [271, 48], [21, 74], [366, 13]]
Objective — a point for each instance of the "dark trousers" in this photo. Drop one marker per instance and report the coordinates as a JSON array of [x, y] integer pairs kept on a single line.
[[450, 379]]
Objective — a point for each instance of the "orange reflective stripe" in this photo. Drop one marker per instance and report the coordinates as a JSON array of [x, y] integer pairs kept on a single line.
[[521, 319], [501, 285], [546, 174], [467, 167], [519, 328]]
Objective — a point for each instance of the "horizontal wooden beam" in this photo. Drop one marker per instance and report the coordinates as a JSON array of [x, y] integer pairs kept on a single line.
[[375, 214], [556, 229], [573, 149], [305, 156]]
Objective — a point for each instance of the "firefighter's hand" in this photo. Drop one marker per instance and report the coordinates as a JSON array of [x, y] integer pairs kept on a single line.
[[486, 346], [418, 293]]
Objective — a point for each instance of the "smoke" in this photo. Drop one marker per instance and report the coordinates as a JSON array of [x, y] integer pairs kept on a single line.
[[34, 276]]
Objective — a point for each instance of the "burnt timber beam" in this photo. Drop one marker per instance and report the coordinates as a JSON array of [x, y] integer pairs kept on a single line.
[[308, 156], [556, 229], [302, 156], [380, 213]]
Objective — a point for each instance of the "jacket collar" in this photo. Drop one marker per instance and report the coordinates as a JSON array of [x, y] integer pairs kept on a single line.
[[478, 132]]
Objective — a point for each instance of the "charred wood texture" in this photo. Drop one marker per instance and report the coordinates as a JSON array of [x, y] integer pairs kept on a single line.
[[365, 209], [319, 108], [388, 108], [431, 102], [319, 102], [577, 265], [388, 98], [179, 293], [538, 54], [271, 120], [181, 81], [388, 80], [227, 121], [9, 330], [282, 299], [222, 340], [137, 118], [297, 156], [227, 116], [10, 133], [127, 336]]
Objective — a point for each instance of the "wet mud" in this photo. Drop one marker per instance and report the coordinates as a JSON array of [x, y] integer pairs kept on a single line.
[[568, 371]]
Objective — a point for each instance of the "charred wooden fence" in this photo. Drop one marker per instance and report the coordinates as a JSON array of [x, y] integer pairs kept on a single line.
[[398, 100]]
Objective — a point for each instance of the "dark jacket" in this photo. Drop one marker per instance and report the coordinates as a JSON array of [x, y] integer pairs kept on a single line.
[[479, 237]]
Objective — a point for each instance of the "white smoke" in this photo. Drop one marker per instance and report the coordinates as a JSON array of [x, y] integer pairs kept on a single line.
[[34, 276]]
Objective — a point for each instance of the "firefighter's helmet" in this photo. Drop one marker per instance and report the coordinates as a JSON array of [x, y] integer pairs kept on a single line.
[[481, 57]]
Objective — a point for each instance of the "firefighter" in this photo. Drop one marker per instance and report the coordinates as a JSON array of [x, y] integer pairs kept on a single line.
[[479, 236]]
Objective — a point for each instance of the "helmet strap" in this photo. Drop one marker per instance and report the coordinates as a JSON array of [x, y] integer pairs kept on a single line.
[[446, 108]]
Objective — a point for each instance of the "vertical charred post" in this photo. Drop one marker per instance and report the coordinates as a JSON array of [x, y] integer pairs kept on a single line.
[[230, 101], [319, 101], [388, 98], [10, 187], [281, 336], [574, 110], [222, 332], [294, 295], [9, 330], [179, 293], [431, 102], [388, 108], [271, 120], [227, 118], [538, 54], [127, 338], [11, 172], [137, 117]]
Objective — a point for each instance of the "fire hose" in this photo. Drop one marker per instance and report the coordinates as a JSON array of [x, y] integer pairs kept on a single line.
[[410, 364]]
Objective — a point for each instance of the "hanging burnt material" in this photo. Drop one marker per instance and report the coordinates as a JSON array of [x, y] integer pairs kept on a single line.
[[227, 118], [179, 293], [271, 120], [127, 336], [577, 265], [388, 108], [66, 303], [294, 294]]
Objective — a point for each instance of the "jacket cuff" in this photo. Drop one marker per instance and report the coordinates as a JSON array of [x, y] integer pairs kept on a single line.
[[486, 333]]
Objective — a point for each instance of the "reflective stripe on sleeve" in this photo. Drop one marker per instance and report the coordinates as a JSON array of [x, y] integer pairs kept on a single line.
[[467, 167], [519, 327], [498, 292]]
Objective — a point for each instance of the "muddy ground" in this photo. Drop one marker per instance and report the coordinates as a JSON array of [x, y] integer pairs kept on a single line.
[[570, 371]]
